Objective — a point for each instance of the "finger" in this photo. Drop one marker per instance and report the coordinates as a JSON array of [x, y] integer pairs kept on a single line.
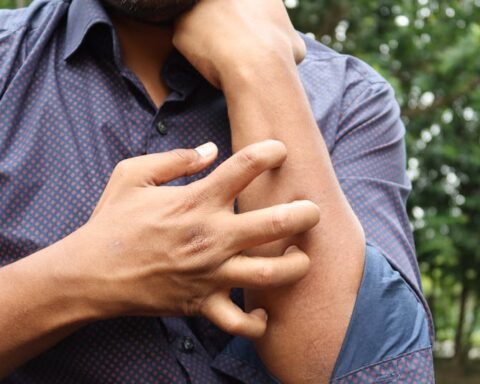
[[262, 226], [265, 272], [159, 168], [234, 175], [229, 317]]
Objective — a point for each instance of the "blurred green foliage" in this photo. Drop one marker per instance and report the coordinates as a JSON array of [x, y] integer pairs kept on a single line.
[[429, 50], [13, 3]]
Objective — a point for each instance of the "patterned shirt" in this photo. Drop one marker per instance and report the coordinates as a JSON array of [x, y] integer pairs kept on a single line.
[[71, 110]]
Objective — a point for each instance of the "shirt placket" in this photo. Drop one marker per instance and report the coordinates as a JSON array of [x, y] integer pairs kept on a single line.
[[190, 353]]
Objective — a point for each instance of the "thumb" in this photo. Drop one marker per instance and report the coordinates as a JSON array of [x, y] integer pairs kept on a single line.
[[160, 168]]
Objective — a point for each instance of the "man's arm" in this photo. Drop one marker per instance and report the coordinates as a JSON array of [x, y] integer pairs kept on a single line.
[[39, 306], [248, 49], [308, 321]]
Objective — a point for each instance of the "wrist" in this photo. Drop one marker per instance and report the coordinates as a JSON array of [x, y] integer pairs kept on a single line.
[[44, 294], [268, 92], [80, 274]]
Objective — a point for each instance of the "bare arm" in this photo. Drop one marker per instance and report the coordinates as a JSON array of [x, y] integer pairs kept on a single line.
[[307, 322], [249, 49], [39, 306]]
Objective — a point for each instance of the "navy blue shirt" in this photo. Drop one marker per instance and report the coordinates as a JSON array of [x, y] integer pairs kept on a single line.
[[70, 111]]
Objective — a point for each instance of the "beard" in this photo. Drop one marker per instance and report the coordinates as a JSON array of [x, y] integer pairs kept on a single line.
[[151, 11]]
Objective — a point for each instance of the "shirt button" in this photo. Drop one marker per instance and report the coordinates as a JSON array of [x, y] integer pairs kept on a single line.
[[187, 345], [162, 128]]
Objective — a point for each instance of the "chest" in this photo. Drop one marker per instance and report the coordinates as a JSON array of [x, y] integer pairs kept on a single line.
[[65, 127]]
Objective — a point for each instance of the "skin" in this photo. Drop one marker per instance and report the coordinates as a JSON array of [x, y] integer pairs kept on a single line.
[[266, 99], [309, 300]]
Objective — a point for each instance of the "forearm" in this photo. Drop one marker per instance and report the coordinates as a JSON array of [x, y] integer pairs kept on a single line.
[[41, 303], [307, 322]]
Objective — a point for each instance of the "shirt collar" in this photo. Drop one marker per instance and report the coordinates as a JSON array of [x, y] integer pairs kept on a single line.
[[82, 16]]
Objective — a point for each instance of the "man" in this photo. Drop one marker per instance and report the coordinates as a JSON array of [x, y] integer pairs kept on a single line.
[[118, 266]]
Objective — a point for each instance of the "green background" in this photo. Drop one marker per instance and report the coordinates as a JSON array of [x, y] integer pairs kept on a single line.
[[430, 52]]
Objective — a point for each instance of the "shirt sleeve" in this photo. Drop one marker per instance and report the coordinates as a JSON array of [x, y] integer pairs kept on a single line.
[[12, 33], [369, 158]]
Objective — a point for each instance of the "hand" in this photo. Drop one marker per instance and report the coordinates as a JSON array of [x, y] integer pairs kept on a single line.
[[160, 250], [219, 36]]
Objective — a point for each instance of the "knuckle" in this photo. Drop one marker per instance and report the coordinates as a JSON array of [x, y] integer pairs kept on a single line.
[[188, 308], [199, 239], [264, 275], [250, 160], [192, 306], [280, 221], [187, 156], [233, 325], [123, 167], [191, 199]]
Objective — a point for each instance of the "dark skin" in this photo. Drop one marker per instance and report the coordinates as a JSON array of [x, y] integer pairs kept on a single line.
[[137, 42], [309, 300]]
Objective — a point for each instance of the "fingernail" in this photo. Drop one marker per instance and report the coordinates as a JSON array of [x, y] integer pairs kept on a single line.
[[206, 150], [292, 248]]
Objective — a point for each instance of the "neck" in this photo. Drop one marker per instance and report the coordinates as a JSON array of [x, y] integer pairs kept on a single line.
[[145, 48]]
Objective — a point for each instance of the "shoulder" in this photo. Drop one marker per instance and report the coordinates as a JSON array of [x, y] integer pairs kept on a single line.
[[337, 84], [327, 65], [23, 33], [32, 17]]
